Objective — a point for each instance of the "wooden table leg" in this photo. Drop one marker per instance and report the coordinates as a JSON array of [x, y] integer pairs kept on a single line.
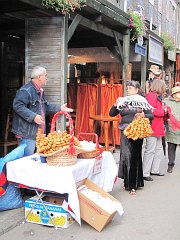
[[112, 135], [106, 140]]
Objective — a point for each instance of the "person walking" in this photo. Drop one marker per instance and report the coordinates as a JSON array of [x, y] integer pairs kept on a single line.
[[29, 109], [172, 137], [154, 73], [153, 148], [130, 165]]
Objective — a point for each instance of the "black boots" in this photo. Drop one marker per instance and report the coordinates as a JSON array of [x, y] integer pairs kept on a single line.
[[170, 169]]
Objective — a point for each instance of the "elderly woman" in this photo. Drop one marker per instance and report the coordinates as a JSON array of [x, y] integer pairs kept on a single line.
[[173, 137], [153, 148], [130, 165]]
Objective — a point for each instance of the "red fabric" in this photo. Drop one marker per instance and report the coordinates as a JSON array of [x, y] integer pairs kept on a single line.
[[178, 68], [158, 112], [3, 181], [86, 106], [172, 120], [109, 94], [71, 95], [87, 97]]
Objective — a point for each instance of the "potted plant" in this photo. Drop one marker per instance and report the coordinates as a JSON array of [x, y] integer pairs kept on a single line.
[[137, 24], [169, 43], [63, 6]]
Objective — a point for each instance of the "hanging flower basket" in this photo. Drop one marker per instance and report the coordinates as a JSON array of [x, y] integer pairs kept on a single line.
[[63, 6], [169, 43], [137, 24]]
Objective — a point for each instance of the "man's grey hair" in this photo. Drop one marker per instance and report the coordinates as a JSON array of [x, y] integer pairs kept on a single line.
[[37, 71]]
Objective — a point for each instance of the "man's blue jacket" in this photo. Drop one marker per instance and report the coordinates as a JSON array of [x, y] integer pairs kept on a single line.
[[26, 106]]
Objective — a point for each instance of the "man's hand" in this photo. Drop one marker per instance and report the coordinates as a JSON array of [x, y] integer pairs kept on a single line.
[[64, 108], [39, 119]]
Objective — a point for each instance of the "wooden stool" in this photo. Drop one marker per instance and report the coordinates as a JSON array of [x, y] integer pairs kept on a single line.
[[105, 121], [8, 139]]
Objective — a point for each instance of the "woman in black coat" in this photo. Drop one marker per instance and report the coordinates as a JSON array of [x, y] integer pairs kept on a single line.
[[130, 165]]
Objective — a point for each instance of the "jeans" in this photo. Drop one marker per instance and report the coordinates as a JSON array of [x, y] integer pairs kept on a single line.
[[31, 145]]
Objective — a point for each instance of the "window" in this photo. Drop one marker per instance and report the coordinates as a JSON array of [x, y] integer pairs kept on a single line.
[[159, 22], [140, 2], [167, 25], [160, 6], [151, 11], [129, 4], [151, 2]]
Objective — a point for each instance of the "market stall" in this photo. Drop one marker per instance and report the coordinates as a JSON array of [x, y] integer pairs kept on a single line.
[[31, 172]]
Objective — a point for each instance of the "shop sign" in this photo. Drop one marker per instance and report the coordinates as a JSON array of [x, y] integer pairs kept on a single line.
[[140, 50], [172, 55], [97, 165], [155, 51]]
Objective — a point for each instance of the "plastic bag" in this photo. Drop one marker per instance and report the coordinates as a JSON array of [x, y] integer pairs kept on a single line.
[[13, 155], [11, 199]]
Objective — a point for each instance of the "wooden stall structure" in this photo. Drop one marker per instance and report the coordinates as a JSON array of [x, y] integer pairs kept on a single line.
[[47, 36]]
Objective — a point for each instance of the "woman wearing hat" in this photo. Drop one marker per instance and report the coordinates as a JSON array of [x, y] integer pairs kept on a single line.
[[154, 73], [173, 137]]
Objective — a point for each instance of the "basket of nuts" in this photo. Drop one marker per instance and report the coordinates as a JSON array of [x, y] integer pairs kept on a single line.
[[90, 153], [59, 148]]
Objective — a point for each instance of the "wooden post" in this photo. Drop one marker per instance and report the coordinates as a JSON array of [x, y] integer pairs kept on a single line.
[[46, 45], [144, 67], [126, 47]]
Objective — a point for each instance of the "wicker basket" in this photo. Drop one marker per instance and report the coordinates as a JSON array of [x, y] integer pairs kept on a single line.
[[93, 153], [67, 155]]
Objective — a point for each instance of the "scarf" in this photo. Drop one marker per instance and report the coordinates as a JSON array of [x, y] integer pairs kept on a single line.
[[134, 101]]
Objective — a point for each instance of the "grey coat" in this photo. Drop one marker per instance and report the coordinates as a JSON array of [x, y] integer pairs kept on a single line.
[[172, 136]]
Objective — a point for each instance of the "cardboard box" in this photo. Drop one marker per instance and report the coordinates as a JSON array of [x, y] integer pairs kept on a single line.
[[90, 212], [61, 217]]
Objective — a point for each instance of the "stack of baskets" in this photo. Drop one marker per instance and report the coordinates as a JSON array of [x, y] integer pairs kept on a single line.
[[92, 153], [67, 155]]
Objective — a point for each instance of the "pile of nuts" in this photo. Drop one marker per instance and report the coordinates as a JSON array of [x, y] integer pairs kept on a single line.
[[53, 141], [139, 128]]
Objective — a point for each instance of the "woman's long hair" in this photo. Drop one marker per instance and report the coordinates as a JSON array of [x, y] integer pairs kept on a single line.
[[158, 86]]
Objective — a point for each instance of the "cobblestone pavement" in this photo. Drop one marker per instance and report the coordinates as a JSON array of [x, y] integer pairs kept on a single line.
[[154, 213]]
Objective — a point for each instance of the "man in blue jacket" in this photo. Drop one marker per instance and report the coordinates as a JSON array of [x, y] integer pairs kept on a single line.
[[29, 109]]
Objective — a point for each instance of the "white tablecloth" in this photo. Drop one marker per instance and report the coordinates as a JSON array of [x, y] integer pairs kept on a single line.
[[62, 179]]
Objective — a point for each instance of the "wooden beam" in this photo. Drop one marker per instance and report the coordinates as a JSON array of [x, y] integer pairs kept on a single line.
[[98, 27], [73, 26], [126, 47], [38, 4], [115, 53], [114, 8], [119, 47], [35, 3], [112, 49], [104, 7], [144, 67], [98, 18]]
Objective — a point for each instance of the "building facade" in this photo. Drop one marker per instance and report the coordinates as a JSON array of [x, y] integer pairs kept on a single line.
[[163, 18]]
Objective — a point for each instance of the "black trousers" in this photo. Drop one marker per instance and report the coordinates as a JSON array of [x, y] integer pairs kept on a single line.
[[130, 164], [171, 153]]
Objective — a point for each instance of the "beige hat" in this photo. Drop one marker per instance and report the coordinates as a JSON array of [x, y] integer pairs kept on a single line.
[[175, 90], [155, 69]]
